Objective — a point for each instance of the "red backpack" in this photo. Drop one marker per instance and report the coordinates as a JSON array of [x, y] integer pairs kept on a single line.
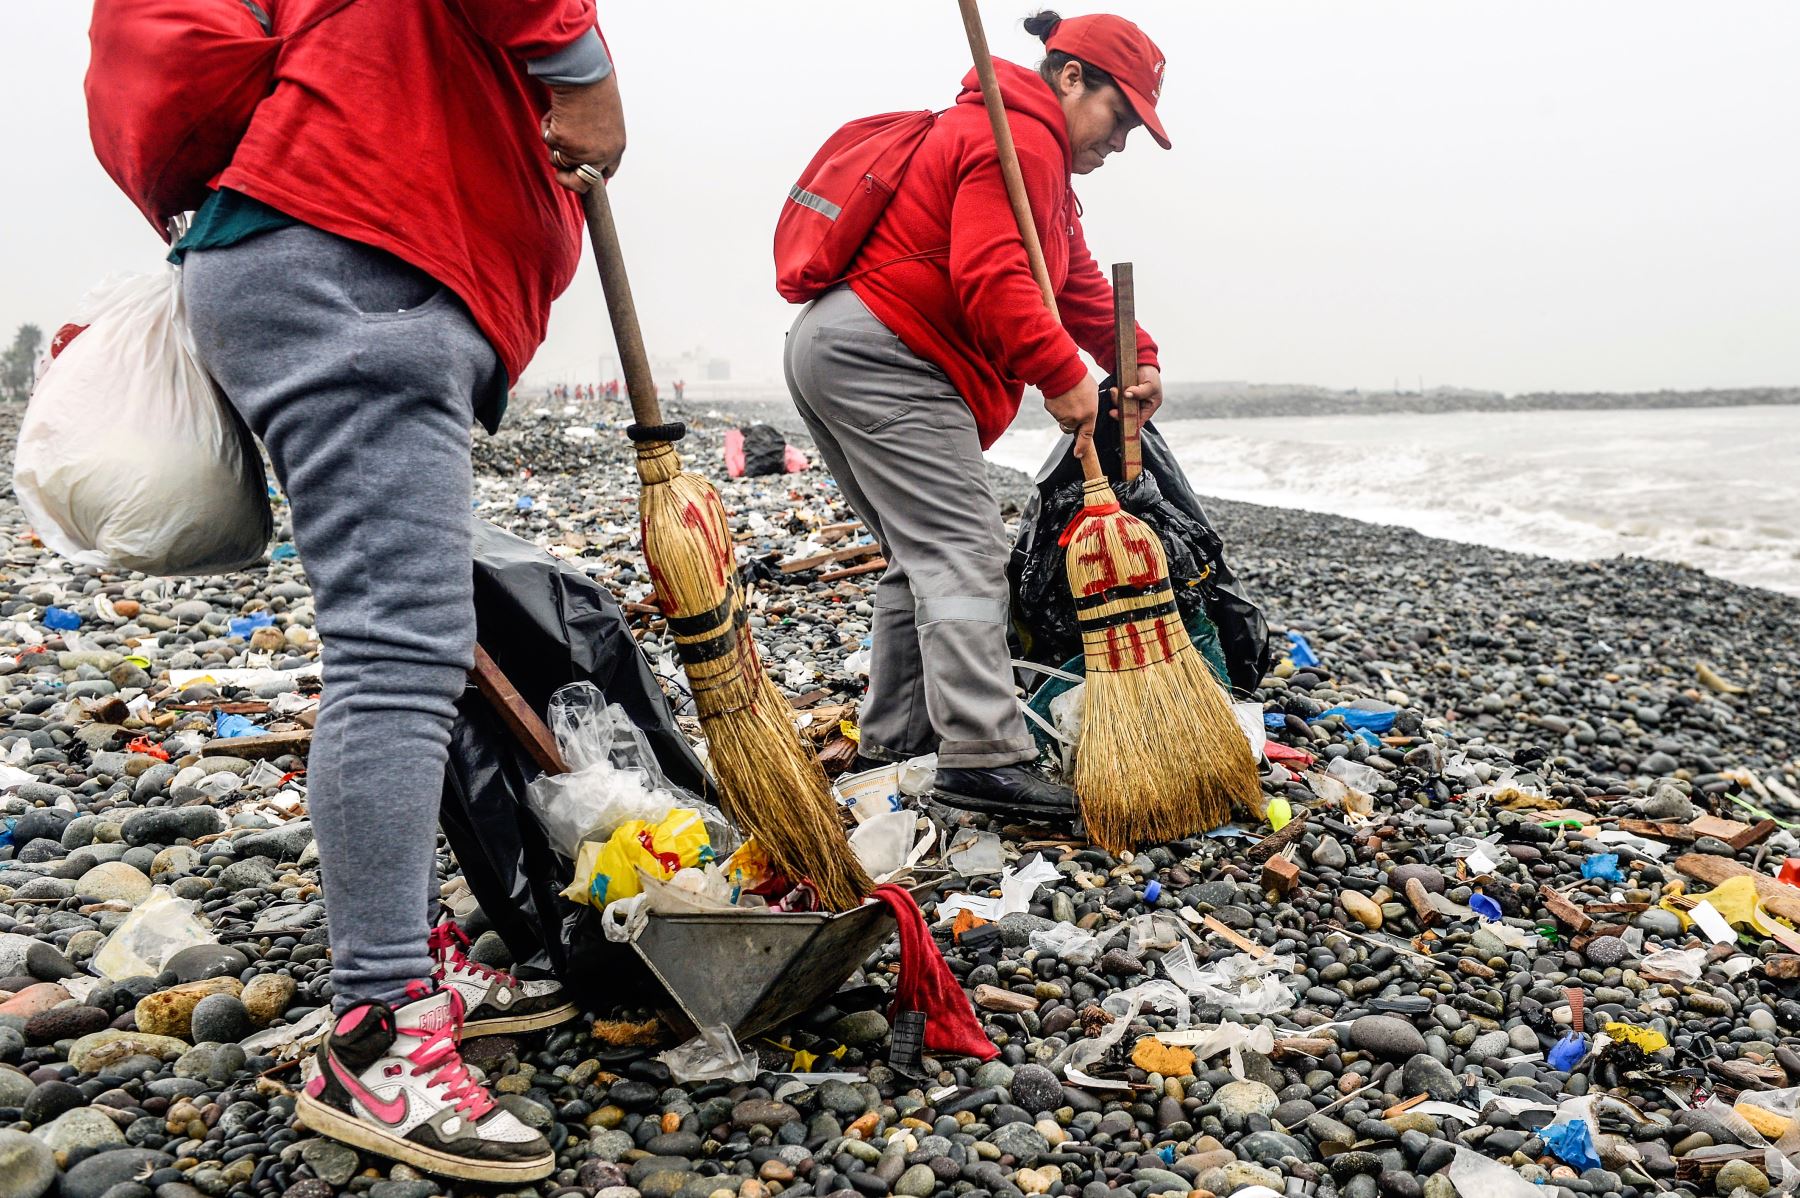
[[841, 194], [171, 87]]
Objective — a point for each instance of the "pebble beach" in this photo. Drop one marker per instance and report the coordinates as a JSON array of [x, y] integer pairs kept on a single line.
[[1380, 1036]]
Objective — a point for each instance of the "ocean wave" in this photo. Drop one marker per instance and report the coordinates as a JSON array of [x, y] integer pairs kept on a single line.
[[1718, 489]]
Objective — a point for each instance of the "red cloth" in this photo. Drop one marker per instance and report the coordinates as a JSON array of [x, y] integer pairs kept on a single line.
[[973, 309], [414, 128], [926, 983]]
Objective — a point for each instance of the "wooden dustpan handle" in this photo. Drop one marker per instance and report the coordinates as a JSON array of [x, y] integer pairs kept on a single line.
[[1131, 412], [619, 306], [516, 714], [1015, 180]]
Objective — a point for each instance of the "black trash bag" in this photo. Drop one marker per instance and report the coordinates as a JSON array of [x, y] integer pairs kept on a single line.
[[546, 624], [1043, 609], [765, 450]]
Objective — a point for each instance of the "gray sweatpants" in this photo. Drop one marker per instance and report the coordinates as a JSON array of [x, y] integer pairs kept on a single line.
[[903, 448], [361, 375]]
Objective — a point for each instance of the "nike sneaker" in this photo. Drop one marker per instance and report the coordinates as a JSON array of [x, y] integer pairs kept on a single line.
[[496, 1002], [389, 1080]]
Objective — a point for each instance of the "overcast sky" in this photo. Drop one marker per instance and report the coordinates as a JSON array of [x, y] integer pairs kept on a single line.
[[1525, 196]]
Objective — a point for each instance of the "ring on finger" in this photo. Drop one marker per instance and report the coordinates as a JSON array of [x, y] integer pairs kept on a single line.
[[561, 160], [592, 174]]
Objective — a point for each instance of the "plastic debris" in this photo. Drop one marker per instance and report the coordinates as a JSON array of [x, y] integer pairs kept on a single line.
[[61, 619], [1016, 888], [1300, 650], [1378, 720], [1476, 1176], [1604, 866], [608, 870], [1568, 1052], [712, 1055], [972, 853], [1648, 1039], [1484, 906], [227, 726], [1572, 1142], [157, 928], [1240, 984], [1207, 1042], [1280, 812], [1674, 964], [240, 627], [613, 777]]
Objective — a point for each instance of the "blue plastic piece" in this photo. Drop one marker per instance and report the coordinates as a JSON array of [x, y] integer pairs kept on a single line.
[[1484, 906], [524, 504], [1152, 891], [1167, 1152], [284, 552], [1568, 1053], [1300, 650], [1359, 718], [61, 619], [226, 725], [240, 627], [6, 829], [1274, 721], [1604, 866], [1572, 1143]]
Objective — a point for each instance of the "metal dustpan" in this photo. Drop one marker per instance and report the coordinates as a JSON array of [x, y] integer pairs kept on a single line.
[[752, 971]]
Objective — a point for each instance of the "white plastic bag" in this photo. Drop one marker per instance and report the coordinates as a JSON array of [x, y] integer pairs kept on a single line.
[[128, 459], [157, 928], [613, 777]]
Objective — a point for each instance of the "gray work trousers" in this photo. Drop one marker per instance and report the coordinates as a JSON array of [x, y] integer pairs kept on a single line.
[[902, 445], [362, 375]]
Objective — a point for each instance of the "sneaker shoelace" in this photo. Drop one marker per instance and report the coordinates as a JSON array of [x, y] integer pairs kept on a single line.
[[450, 942], [437, 1055]]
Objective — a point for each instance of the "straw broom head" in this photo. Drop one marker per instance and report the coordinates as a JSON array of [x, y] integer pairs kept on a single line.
[[1161, 756], [771, 784]]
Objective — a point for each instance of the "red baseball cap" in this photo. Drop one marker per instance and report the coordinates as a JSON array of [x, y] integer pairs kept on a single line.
[[1123, 51]]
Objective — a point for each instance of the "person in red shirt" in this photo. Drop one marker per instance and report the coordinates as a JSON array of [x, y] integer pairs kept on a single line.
[[918, 362], [374, 268]]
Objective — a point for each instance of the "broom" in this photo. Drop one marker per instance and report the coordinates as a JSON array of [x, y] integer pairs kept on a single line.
[[770, 784], [1160, 755]]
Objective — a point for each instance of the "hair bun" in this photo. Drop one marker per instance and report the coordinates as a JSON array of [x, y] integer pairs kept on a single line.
[[1042, 24]]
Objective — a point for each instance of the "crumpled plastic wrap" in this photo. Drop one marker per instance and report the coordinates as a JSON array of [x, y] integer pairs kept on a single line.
[[1241, 984], [712, 1055], [157, 928]]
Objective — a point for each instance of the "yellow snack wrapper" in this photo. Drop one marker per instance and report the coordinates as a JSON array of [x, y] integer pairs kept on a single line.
[[1648, 1039], [606, 871]]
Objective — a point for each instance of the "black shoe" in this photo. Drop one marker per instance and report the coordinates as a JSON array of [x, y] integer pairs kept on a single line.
[[1012, 790]]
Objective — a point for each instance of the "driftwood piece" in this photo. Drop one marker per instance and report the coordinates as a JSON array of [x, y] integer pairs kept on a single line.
[[1778, 898]]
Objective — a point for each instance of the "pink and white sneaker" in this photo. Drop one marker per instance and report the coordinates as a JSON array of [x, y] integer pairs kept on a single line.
[[389, 1080], [496, 1001]]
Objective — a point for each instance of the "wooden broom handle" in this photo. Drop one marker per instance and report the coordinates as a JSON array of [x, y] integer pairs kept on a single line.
[[619, 306], [1131, 412], [516, 713], [1014, 178]]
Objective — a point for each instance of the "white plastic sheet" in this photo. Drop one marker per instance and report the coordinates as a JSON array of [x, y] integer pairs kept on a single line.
[[157, 928], [1017, 886], [128, 459]]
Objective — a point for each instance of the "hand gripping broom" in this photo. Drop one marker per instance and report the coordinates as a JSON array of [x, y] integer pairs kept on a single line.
[[770, 783], [1160, 756]]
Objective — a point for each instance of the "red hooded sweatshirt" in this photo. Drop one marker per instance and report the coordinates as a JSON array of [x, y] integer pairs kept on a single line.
[[974, 309], [413, 127]]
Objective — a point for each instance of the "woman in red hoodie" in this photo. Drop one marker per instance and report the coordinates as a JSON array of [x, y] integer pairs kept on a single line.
[[918, 362]]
